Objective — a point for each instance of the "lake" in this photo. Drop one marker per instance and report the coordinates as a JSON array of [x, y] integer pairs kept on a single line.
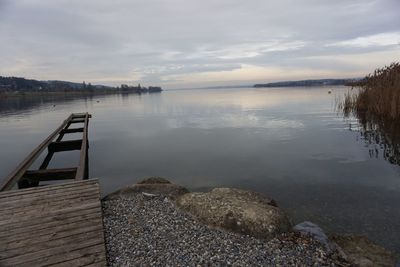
[[288, 143]]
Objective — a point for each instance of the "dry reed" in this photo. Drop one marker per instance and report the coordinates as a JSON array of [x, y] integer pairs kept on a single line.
[[376, 103], [379, 94]]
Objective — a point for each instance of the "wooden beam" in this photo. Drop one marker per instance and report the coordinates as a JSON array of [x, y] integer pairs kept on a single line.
[[77, 120], [73, 130], [46, 160], [80, 115], [66, 130], [83, 168], [52, 174], [65, 145]]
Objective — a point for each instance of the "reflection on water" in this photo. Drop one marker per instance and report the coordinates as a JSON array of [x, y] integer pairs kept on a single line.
[[382, 137], [381, 134], [20, 105], [288, 143]]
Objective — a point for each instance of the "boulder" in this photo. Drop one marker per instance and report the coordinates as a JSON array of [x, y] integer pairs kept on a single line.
[[361, 251], [150, 187], [237, 210]]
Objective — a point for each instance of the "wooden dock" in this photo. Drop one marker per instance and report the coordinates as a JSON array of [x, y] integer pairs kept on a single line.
[[55, 225], [24, 178]]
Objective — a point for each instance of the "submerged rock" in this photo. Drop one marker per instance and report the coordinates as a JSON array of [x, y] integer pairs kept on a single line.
[[309, 228], [237, 210], [150, 186], [361, 251]]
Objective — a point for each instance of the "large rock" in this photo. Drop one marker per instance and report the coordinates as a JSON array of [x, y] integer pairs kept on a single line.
[[150, 186], [237, 210], [361, 251]]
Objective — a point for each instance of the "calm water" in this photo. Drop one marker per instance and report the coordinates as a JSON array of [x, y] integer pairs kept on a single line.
[[288, 143]]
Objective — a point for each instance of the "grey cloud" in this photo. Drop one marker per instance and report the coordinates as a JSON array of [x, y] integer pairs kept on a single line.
[[125, 40]]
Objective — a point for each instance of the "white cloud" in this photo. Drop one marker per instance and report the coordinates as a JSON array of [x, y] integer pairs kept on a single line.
[[254, 50], [382, 39]]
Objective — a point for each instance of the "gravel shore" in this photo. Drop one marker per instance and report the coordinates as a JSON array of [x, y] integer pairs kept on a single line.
[[151, 231]]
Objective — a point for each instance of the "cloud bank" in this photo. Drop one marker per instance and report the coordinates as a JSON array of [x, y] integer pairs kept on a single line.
[[188, 43]]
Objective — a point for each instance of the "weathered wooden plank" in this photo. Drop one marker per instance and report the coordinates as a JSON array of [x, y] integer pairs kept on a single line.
[[18, 239], [42, 190], [28, 217], [39, 199], [52, 221], [48, 194], [46, 207], [50, 243], [65, 145], [42, 228], [38, 213], [51, 174], [95, 259], [91, 252], [24, 192], [57, 190], [52, 204], [46, 229], [18, 172], [60, 252]]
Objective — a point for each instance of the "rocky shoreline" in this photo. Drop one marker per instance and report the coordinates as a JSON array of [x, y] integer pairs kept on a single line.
[[157, 223]]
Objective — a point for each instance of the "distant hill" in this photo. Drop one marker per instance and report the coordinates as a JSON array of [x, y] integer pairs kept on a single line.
[[22, 84], [320, 82], [17, 84]]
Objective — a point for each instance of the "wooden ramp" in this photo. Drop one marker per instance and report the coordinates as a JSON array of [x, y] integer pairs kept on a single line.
[[55, 225]]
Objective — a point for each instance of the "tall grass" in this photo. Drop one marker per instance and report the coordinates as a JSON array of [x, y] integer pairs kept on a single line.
[[376, 104]]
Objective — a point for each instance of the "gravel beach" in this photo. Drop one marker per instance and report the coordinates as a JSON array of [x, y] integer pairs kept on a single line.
[[145, 230]]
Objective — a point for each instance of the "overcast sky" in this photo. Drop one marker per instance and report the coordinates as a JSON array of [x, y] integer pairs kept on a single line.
[[179, 43]]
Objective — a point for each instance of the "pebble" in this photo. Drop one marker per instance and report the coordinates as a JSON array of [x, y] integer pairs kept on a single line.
[[143, 231]]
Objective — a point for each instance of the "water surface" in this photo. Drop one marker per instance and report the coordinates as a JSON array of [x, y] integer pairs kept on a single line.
[[288, 143]]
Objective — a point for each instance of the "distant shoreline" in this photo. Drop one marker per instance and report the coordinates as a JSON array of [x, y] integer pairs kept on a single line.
[[309, 83], [17, 86], [12, 94]]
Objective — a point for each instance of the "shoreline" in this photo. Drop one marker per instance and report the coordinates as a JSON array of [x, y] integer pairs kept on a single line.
[[158, 226]]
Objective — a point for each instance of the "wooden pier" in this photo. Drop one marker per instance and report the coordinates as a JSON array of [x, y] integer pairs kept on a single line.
[[29, 178], [52, 225]]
